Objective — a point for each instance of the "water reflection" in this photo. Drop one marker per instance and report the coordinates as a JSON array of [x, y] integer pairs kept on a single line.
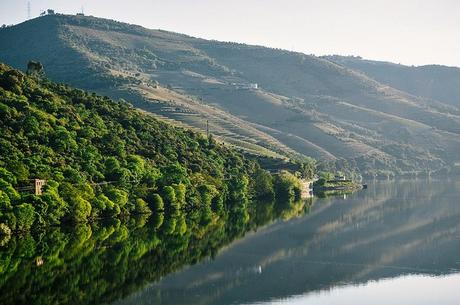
[[412, 289], [391, 240], [350, 251], [99, 263]]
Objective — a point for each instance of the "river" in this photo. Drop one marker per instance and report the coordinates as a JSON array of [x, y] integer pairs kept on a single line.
[[398, 242], [395, 243]]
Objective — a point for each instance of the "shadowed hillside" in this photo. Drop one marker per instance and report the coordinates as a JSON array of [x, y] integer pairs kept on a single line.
[[301, 106]]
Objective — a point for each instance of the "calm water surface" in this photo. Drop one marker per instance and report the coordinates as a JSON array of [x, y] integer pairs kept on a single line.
[[395, 243]]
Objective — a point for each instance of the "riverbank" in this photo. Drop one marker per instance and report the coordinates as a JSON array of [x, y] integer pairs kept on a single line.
[[324, 187]]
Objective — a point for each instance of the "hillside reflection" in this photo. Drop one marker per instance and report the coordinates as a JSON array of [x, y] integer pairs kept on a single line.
[[393, 229], [102, 262]]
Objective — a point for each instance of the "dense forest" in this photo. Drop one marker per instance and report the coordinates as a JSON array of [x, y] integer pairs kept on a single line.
[[103, 158]]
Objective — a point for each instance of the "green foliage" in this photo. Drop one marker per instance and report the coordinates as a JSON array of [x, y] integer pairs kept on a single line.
[[25, 216], [169, 196], [52, 207], [157, 220], [180, 192], [326, 176], [321, 181], [263, 184], [238, 186], [8, 190], [207, 194], [157, 203], [63, 140], [141, 207], [4, 230], [174, 174], [103, 158], [5, 202], [120, 255], [7, 176], [12, 80], [102, 205], [136, 165], [287, 186], [118, 197], [80, 209]]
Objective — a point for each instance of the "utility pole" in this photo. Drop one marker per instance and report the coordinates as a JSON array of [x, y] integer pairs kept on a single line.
[[28, 9], [207, 129]]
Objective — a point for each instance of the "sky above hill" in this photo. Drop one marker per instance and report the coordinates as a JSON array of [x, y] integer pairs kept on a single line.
[[412, 32]]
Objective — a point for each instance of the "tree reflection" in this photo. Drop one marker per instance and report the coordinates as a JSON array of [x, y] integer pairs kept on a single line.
[[104, 261]]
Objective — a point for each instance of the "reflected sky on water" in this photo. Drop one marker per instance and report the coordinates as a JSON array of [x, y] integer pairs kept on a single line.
[[395, 243]]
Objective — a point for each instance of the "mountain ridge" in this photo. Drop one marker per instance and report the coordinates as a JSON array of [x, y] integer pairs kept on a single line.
[[437, 82], [301, 106]]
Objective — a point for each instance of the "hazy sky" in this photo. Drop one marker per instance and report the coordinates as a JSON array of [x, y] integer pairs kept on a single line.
[[406, 31]]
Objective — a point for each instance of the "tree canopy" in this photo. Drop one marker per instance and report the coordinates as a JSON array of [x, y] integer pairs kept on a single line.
[[103, 158]]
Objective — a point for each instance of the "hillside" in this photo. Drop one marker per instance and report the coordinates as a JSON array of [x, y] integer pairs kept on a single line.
[[301, 106], [103, 159], [435, 82]]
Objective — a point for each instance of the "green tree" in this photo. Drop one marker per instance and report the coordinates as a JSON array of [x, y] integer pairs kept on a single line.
[[169, 196], [180, 192], [136, 166], [80, 209], [141, 207], [25, 216], [287, 187], [263, 184], [55, 207], [207, 193], [63, 140], [174, 174], [157, 202], [117, 196], [8, 189]]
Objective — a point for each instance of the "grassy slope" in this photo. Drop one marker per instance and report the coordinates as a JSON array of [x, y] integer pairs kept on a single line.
[[436, 82], [306, 105]]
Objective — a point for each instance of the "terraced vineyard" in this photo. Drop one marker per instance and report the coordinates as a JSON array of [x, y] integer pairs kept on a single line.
[[265, 101]]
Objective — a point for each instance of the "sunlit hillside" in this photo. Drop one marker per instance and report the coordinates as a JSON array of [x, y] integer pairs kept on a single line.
[[264, 101]]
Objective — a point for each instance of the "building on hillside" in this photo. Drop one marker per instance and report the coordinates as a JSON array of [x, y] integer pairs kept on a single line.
[[38, 186]]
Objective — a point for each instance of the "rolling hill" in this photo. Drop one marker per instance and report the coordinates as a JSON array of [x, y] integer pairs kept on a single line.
[[265, 101], [439, 83]]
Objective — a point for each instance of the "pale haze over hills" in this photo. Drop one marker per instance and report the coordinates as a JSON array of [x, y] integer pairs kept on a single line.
[[410, 32]]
